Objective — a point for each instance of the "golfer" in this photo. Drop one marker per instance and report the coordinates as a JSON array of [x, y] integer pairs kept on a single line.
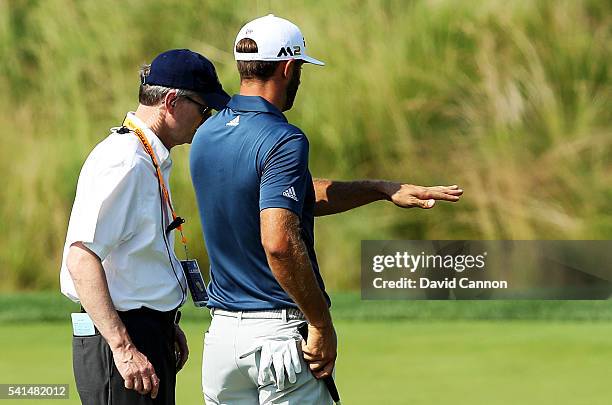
[[119, 260], [257, 203]]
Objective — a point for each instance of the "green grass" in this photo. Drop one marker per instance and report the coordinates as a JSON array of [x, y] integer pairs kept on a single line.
[[391, 352], [400, 362], [509, 99]]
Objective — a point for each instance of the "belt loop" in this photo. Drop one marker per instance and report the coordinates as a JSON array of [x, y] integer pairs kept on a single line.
[[239, 316], [284, 312]]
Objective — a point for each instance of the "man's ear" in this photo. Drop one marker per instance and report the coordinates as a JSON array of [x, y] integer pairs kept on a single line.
[[287, 69], [170, 101]]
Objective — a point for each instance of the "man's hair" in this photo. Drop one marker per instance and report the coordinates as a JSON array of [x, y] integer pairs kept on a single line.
[[253, 69], [152, 94]]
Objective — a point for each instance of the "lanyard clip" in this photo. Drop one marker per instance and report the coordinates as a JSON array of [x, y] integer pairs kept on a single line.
[[178, 221]]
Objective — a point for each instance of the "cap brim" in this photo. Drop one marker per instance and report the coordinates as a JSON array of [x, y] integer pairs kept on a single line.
[[309, 59], [217, 100]]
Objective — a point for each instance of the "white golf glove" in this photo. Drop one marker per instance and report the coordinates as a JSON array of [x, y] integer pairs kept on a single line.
[[278, 356]]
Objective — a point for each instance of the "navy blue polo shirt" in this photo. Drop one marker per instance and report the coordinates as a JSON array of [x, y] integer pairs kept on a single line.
[[244, 159]]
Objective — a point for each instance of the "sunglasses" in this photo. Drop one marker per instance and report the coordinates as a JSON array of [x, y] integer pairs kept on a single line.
[[204, 109]]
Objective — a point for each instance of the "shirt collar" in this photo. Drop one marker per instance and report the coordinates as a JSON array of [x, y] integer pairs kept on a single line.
[[254, 104], [161, 153]]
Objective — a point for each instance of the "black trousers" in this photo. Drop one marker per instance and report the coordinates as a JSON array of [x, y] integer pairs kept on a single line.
[[97, 379]]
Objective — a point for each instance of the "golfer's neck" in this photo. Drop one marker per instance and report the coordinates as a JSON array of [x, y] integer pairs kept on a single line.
[[269, 90]]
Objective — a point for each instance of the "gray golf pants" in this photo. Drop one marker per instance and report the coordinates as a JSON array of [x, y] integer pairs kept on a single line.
[[228, 379]]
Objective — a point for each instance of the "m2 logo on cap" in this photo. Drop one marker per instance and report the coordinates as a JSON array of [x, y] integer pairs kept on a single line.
[[286, 51]]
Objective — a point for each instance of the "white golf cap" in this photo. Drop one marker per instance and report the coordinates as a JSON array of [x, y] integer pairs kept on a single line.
[[276, 39]]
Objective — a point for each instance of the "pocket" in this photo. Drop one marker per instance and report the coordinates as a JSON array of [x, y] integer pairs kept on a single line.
[[211, 339], [218, 331], [89, 360]]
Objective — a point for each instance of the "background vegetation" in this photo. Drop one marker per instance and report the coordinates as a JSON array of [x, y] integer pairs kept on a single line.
[[509, 99]]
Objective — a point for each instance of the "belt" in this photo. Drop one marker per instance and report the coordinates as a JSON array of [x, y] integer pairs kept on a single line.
[[281, 313], [165, 317]]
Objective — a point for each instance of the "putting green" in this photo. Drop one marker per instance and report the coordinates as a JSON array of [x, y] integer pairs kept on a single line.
[[475, 362]]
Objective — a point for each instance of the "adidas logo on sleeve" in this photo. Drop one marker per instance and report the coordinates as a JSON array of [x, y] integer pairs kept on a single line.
[[290, 193]]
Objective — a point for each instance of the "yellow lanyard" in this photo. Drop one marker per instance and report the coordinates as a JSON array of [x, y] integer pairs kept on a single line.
[[176, 220]]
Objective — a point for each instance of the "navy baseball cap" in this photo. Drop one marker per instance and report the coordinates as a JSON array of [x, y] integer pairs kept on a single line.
[[188, 70]]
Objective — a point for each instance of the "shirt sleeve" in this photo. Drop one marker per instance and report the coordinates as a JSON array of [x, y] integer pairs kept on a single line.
[[106, 206], [285, 175]]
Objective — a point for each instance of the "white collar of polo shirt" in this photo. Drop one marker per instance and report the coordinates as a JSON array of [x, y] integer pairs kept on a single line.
[[161, 153]]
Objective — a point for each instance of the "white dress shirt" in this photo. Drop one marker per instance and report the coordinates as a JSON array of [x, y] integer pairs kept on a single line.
[[117, 214]]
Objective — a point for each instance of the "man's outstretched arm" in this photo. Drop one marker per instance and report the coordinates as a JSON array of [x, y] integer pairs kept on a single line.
[[333, 197]]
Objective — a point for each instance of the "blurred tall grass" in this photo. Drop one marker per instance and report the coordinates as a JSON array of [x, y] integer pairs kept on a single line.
[[509, 99]]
